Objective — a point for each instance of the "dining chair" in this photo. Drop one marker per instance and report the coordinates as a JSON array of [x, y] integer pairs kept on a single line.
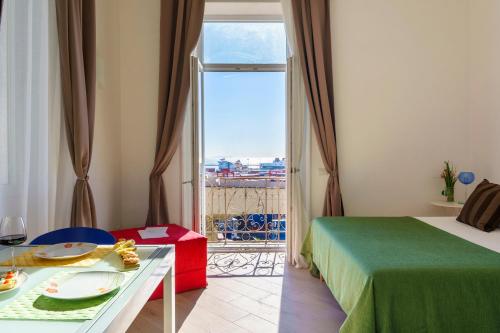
[[78, 234]]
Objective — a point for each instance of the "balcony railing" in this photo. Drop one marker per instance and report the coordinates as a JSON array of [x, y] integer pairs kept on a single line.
[[245, 209]]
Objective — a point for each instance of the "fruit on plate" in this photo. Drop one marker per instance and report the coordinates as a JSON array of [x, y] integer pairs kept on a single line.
[[126, 249], [8, 280]]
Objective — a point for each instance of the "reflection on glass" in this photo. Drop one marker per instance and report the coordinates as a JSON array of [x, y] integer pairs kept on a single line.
[[244, 43], [244, 114]]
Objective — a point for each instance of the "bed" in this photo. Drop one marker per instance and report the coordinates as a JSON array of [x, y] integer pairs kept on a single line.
[[404, 274]]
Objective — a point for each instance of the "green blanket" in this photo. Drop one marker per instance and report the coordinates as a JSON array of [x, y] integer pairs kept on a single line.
[[402, 275]]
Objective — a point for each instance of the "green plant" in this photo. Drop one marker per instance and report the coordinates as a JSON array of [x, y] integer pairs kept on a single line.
[[449, 175]]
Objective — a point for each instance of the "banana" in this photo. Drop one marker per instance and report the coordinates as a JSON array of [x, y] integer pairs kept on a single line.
[[126, 249]]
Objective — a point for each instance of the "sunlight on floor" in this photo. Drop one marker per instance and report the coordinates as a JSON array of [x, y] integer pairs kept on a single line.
[[292, 302]]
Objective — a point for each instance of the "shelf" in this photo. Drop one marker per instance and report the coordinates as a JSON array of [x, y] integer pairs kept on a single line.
[[447, 204]]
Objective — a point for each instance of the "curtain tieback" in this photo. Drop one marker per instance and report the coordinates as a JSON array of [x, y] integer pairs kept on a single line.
[[84, 178]]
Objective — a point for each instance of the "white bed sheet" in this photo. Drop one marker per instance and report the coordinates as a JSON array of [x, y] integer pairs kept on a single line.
[[489, 240]]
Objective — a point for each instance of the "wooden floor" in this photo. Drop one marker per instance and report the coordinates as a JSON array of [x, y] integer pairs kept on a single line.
[[294, 302]]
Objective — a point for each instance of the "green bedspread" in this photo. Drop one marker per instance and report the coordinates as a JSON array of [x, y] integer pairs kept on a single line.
[[402, 275]]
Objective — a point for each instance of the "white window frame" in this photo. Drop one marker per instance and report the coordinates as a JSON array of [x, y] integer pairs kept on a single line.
[[199, 108], [226, 67]]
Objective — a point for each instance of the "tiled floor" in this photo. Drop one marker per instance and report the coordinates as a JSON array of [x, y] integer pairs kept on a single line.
[[292, 302]]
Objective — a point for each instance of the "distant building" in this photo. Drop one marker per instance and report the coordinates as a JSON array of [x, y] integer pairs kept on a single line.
[[277, 164], [226, 166], [238, 166]]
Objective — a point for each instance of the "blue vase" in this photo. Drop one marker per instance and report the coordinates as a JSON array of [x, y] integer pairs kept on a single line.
[[466, 177]]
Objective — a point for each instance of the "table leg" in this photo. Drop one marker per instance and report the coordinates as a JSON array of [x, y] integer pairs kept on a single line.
[[169, 301]]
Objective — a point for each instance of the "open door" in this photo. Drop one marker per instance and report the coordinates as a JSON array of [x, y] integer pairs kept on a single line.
[[192, 154], [198, 147], [298, 152]]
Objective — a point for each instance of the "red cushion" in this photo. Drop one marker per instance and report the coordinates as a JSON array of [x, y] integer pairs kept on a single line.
[[190, 255]]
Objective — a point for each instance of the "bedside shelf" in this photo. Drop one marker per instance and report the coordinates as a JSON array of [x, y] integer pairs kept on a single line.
[[447, 204]]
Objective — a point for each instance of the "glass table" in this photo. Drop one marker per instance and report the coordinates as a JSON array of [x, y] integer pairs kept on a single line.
[[157, 264]]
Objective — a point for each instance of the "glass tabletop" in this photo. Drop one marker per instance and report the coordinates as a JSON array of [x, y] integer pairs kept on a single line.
[[153, 259]]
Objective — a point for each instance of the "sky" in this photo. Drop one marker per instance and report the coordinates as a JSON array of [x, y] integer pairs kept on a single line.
[[244, 111]]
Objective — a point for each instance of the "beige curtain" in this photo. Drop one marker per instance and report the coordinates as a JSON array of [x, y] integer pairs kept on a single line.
[[77, 48], [313, 37], [298, 218], [180, 26], [61, 175]]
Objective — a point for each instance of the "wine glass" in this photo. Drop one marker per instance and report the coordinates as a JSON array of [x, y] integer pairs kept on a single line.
[[12, 233]]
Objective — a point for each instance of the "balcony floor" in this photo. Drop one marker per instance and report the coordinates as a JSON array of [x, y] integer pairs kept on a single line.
[[292, 302], [246, 262]]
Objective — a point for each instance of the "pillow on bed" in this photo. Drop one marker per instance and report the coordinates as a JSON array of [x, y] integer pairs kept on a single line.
[[482, 208]]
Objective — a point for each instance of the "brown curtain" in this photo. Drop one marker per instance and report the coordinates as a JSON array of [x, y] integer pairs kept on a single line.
[[77, 46], [180, 24], [312, 31]]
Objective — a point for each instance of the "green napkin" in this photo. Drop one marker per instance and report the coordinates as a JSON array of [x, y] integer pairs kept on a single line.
[[50, 304], [33, 305]]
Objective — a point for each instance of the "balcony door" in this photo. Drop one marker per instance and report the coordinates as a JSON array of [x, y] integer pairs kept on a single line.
[[238, 142], [192, 153]]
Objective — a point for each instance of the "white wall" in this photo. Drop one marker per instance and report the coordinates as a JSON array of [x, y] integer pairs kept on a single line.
[[126, 114], [139, 65], [401, 103], [415, 84], [484, 88], [139, 35], [105, 169]]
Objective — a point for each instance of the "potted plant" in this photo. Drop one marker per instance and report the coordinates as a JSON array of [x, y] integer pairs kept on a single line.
[[449, 175]]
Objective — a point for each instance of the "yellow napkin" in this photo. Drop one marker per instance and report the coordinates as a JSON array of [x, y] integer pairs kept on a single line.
[[27, 259]]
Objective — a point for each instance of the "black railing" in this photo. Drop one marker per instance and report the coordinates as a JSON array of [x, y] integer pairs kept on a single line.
[[245, 208]]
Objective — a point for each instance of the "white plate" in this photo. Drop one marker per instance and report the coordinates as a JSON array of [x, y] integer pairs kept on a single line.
[[21, 278], [84, 285], [65, 250]]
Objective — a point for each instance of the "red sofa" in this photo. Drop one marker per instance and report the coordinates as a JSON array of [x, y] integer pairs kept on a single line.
[[190, 256]]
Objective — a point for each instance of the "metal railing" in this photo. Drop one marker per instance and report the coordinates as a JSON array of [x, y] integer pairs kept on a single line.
[[245, 209]]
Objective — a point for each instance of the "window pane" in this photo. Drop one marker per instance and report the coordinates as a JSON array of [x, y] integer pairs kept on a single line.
[[244, 43], [244, 115]]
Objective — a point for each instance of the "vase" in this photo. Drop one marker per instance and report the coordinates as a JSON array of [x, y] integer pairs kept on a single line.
[[450, 194]]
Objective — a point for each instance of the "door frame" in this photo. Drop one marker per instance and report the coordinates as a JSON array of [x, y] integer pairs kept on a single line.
[[198, 68]]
